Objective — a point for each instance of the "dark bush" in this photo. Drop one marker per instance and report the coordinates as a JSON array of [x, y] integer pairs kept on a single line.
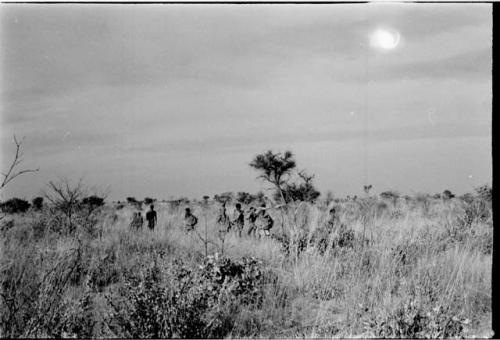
[[148, 200], [14, 205], [132, 201], [245, 197], [93, 201], [37, 203], [390, 195], [447, 195], [304, 192], [225, 197]]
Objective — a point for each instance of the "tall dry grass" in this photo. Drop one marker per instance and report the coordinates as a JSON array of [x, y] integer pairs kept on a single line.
[[413, 268]]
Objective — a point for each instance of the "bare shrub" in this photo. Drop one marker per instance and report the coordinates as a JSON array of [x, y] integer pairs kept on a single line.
[[74, 206]]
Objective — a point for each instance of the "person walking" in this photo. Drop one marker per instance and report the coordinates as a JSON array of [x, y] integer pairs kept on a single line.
[[151, 217], [223, 221], [190, 220], [265, 221], [251, 218], [239, 219], [332, 218], [137, 221]]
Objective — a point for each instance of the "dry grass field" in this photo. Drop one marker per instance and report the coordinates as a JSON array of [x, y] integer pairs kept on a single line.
[[415, 267]]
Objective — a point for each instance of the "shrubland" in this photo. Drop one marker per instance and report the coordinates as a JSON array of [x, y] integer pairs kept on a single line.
[[391, 266]]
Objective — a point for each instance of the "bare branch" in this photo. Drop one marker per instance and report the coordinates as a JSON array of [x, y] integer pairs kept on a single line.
[[12, 173]]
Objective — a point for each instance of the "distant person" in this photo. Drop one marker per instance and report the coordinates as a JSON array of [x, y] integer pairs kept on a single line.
[[265, 221], [332, 218], [137, 221], [140, 220], [133, 220], [151, 217], [223, 219], [190, 220], [239, 219], [251, 218]]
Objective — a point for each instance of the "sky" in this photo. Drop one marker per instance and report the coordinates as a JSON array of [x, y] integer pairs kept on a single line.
[[175, 100]]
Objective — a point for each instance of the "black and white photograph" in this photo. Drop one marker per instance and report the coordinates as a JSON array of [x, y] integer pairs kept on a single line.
[[246, 170]]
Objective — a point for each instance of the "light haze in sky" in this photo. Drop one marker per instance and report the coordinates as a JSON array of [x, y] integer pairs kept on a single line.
[[175, 100]]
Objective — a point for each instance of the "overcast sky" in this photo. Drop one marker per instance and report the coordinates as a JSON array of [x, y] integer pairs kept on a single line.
[[171, 100]]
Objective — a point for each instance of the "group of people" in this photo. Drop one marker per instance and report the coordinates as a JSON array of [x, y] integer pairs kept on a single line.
[[259, 222], [151, 217]]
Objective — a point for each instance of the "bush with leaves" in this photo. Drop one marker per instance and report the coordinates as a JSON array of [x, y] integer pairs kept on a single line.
[[224, 197], [14, 205], [475, 211], [183, 300], [245, 197], [37, 203], [412, 320], [148, 200], [447, 194], [93, 202], [275, 168], [391, 196], [303, 191], [485, 192]]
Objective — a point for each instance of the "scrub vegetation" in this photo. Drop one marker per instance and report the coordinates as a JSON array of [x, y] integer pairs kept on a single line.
[[389, 266]]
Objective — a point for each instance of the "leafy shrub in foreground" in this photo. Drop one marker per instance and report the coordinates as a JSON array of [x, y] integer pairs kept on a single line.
[[187, 301], [410, 320]]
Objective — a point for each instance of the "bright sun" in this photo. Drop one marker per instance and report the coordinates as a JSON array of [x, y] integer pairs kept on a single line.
[[384, 39]]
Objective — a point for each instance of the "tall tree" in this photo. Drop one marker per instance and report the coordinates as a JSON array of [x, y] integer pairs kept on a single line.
[[275, 168]]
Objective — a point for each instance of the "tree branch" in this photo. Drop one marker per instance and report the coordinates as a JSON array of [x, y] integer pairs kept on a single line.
[[12, 173]]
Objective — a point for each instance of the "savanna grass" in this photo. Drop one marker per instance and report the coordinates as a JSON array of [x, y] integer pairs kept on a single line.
[[416, 267]]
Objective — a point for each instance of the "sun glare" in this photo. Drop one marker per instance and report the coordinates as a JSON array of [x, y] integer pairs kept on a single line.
[[384, 39]]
